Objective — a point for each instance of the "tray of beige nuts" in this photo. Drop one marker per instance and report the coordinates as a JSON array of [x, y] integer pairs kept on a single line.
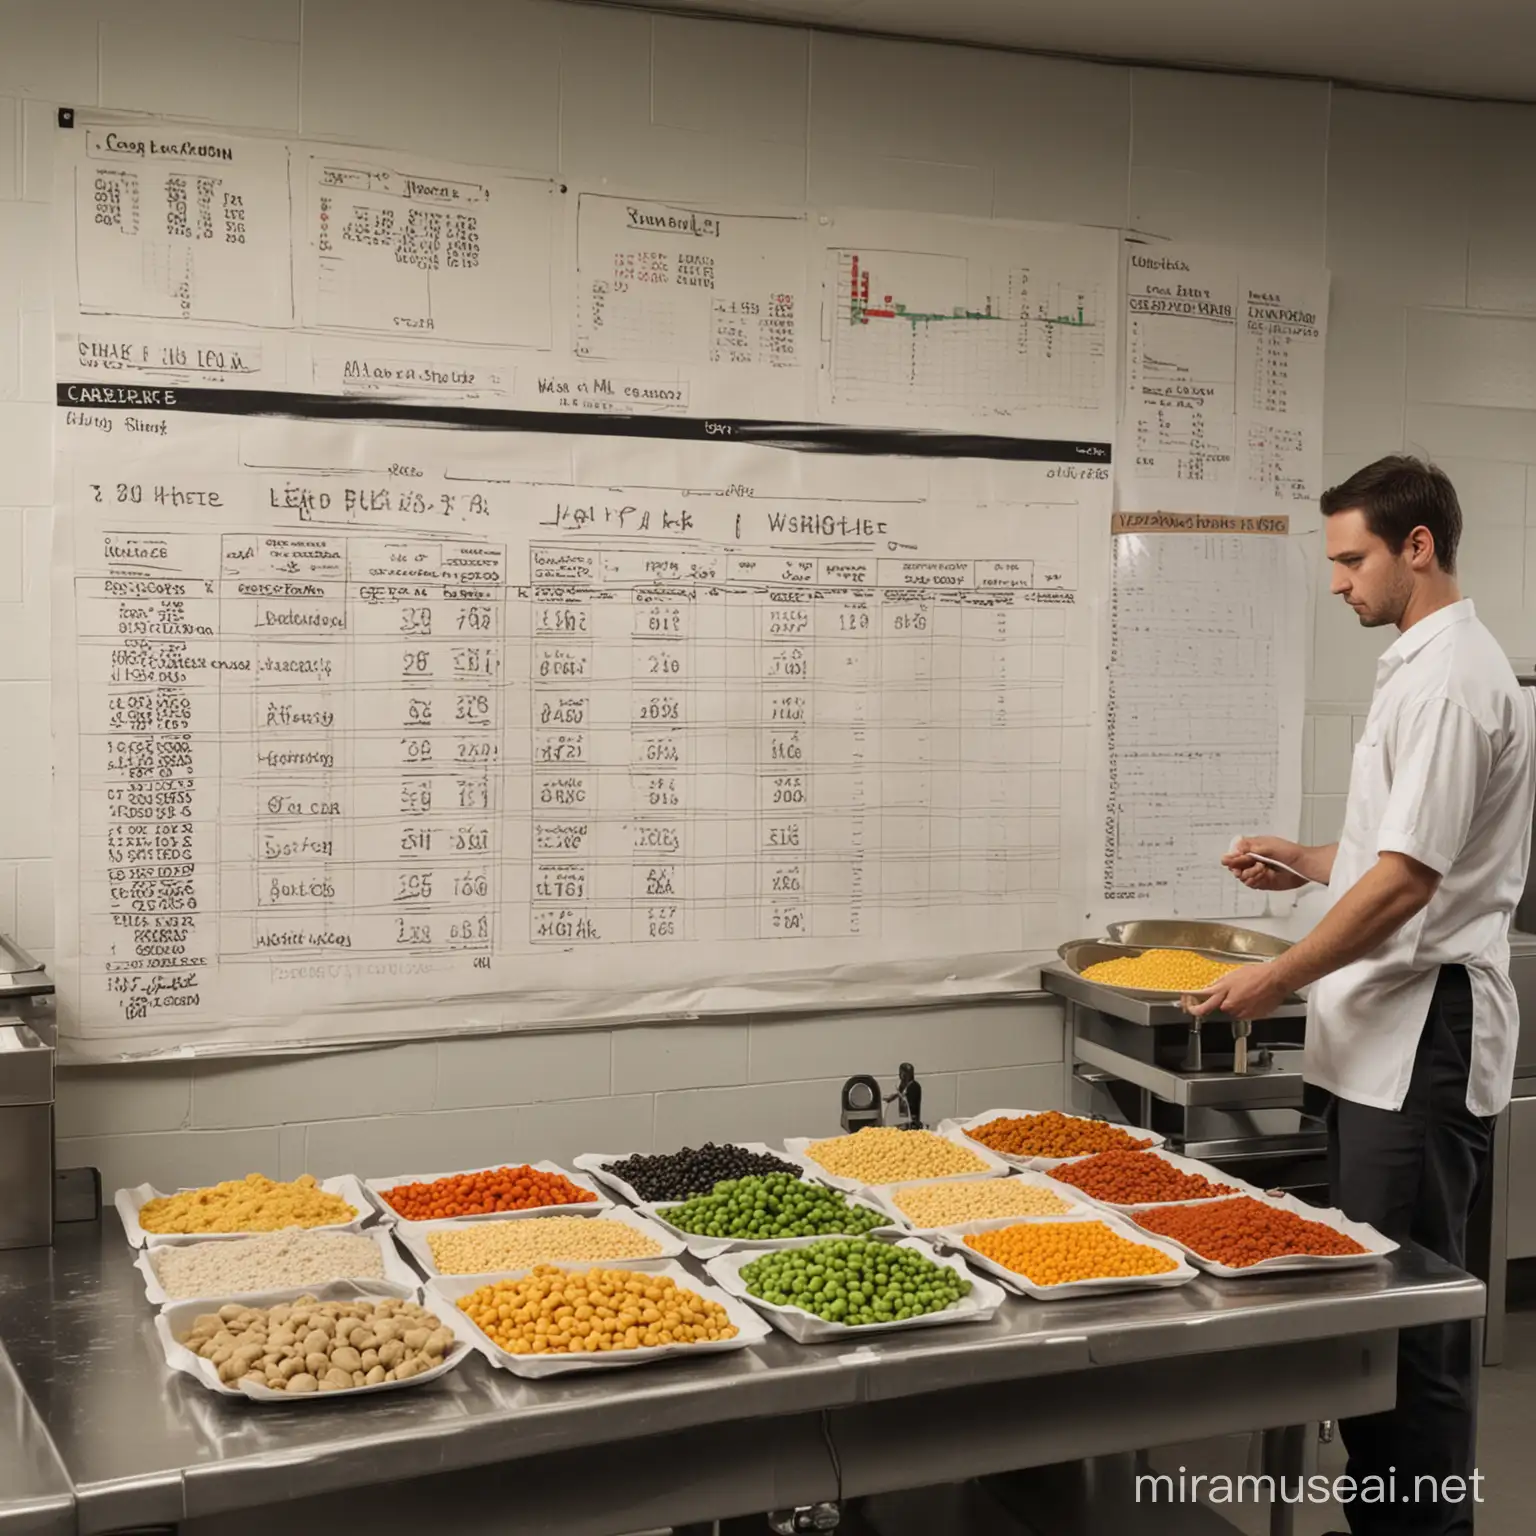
[[345, 1337]]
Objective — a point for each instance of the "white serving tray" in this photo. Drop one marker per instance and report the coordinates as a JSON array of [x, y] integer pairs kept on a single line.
[[709, 1247], [953, 1238], [445, 1291], [129, 1202], [795, 1150], [376, 1188], [598, 1163], [1376, 1246], [415, 1237], [396, 1271], [956, 1129], [885, 1199], [806, 1328], [180, 1316], [1184, 1165]]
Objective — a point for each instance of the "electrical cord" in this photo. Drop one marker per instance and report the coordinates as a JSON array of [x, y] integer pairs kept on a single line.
[[837, 1461]]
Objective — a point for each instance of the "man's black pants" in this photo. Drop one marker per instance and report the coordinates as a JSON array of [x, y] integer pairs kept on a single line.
[[1414, 1175]]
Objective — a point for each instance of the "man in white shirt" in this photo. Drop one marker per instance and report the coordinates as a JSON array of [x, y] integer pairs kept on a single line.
[[1411, 1019]]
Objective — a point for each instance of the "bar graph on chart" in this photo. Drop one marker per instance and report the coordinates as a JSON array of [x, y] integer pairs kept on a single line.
[[917, 328]]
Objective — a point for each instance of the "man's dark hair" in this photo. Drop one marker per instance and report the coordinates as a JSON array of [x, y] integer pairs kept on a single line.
[[1398, 494]]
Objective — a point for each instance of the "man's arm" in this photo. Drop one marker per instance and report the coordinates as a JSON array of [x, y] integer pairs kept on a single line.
[[1394, 890], [1440, 769], [1315, 864]]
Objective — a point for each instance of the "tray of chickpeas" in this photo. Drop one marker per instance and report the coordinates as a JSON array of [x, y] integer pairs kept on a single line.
[[881, 1155], [554, 1319], [1053, 1259]]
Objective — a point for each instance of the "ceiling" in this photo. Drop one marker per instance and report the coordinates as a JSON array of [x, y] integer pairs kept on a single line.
[[1456, 47]]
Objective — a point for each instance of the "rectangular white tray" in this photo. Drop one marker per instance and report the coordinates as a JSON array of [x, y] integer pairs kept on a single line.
[[129, 1202], [415, 1237], [885, 1199], [710, 1247], [1377, 1247], [598, 1165], [396, 1270], [806, 1328], [376, 1188], [445, 1291], [956, 1129], [953, 1238], [180, 1316], [1183, 1164], [795, 1149]]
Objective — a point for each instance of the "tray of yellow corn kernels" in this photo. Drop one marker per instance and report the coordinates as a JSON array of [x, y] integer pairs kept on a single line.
[[1150, 973]]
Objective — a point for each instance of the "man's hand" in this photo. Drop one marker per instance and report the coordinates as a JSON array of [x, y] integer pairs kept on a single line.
[[1249, 992], [1260, 877]]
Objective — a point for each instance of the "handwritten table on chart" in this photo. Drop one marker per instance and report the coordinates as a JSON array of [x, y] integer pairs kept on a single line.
[[1203, 698], [334, 749]]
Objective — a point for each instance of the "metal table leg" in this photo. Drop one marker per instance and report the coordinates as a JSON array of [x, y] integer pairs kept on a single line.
[[1285, 1460]]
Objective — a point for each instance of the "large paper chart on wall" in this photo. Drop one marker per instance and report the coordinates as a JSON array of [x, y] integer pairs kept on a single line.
[[173, 224], [369, 730], [1204, 707], [942, 321]]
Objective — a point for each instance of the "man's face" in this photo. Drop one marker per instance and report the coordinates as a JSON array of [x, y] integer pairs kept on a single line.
[[1374, 582]]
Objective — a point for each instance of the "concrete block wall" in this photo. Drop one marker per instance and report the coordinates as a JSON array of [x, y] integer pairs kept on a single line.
[[1422, 209]]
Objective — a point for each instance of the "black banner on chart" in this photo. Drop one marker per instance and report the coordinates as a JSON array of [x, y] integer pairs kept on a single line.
[[801, 436]]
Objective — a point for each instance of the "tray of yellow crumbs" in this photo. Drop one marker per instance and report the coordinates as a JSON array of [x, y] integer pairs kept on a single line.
[[1141, 972], [243, 1208]]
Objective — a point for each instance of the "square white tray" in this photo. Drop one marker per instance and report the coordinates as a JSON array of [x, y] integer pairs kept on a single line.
[[795, 1149], [806, 1328], [396, 1271], [885, 1199], [445, 1292], [376, 1188], [1183, 1164], [956, 1129], [129, 1202], [953, 1238], [180, 1316], [415, 1237], [1376, 1246], [709, 1247], [598, 1165]]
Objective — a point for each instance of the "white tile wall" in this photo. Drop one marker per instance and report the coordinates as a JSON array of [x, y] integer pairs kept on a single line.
[[1007, 1088], [190, 69], [1423, 209], [655, 1057], [1197, 184], [522, 1069]]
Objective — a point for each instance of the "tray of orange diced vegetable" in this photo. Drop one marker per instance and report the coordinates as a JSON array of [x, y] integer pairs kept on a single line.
[[477, 1194], [1051, 1258]]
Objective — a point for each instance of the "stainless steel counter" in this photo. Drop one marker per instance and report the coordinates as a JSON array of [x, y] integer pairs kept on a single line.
[[36, 1498], [144, 1447]]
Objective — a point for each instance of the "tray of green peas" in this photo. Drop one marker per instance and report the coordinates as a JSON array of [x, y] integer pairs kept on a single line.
[[762, 1211], [842, 1286]]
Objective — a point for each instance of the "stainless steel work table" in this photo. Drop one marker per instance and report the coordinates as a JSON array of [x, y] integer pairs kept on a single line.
[[687, 1442]]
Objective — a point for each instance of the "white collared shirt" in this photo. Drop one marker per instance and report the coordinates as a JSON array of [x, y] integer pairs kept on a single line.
[[1445, 772]]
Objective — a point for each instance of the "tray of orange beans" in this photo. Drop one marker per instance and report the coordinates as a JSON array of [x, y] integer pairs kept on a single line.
[[1051, 1258], [479, 1194], [1122, 1181], [1039, 1140], [1259, 1234]]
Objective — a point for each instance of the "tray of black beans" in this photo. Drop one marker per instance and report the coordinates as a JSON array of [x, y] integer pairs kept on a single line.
[[650, 1177]]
